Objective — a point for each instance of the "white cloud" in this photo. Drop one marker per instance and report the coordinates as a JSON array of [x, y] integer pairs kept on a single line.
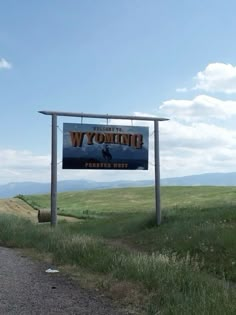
[[4, 64], [196, 148], [217, 77], [196, 136], [191, 142], [23, 165], [181, 90], [22, 159], [201, 107], [197, 162]]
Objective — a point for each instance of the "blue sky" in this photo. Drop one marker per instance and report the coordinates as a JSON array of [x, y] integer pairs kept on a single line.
[[167, 58]]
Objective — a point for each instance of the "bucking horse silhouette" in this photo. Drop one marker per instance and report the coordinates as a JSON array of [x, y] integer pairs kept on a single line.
[[106, 153]]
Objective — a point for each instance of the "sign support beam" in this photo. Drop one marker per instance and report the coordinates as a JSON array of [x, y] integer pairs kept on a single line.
[[157, 173], [54, 115], [54, 172]]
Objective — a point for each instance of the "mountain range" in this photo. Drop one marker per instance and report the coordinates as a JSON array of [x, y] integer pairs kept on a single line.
[[207, 179], [28, 188]]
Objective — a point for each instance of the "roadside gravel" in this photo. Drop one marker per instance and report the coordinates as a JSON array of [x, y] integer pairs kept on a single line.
[[26, 289]]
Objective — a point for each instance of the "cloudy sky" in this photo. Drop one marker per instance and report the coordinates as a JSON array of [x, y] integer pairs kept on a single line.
[[168, 58]]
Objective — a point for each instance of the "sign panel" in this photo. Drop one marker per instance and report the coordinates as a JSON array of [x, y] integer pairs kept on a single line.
[[90, 146]]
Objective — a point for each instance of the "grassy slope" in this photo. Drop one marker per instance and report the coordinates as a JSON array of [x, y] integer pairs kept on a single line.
[[200, 221], [137, 199], [177, 263]]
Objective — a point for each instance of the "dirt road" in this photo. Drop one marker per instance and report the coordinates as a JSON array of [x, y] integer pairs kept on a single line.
[[26, 289]]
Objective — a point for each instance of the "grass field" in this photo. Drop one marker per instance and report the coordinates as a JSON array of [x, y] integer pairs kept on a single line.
[[187, 265], [196, 221]]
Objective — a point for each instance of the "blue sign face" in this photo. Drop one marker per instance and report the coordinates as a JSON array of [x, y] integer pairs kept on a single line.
[[89, 146]]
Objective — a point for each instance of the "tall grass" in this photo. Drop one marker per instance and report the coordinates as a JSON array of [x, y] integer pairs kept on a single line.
[[200, 221], [175, 285]]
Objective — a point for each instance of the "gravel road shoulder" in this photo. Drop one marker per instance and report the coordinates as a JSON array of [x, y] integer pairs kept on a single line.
[[25, 289]]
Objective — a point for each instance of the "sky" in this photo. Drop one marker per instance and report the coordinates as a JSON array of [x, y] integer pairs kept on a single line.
[[165, 58]]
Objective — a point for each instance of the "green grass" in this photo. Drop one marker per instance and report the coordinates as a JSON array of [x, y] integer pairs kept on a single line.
[[183, 263], [200, 221], [136, 200], [100, 202], [174, 286]]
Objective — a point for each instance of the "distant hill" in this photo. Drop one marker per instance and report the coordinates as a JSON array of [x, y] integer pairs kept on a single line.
[[28, 188], [211, 179]]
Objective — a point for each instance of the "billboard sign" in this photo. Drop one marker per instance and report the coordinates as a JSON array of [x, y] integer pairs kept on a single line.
[[93, 146]]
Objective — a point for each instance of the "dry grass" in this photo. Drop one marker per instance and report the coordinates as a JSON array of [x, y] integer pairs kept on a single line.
[[16, 206]]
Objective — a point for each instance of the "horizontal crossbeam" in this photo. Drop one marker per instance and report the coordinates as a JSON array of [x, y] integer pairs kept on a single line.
[[105, 116]]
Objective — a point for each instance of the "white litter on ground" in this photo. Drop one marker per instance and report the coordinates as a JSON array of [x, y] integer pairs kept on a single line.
[[51, 270]]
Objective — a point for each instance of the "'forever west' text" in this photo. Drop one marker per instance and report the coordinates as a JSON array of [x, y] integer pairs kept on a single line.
[[132, 140]]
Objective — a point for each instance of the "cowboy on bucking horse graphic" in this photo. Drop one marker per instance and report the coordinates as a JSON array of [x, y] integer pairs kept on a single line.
[[106, 153]]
